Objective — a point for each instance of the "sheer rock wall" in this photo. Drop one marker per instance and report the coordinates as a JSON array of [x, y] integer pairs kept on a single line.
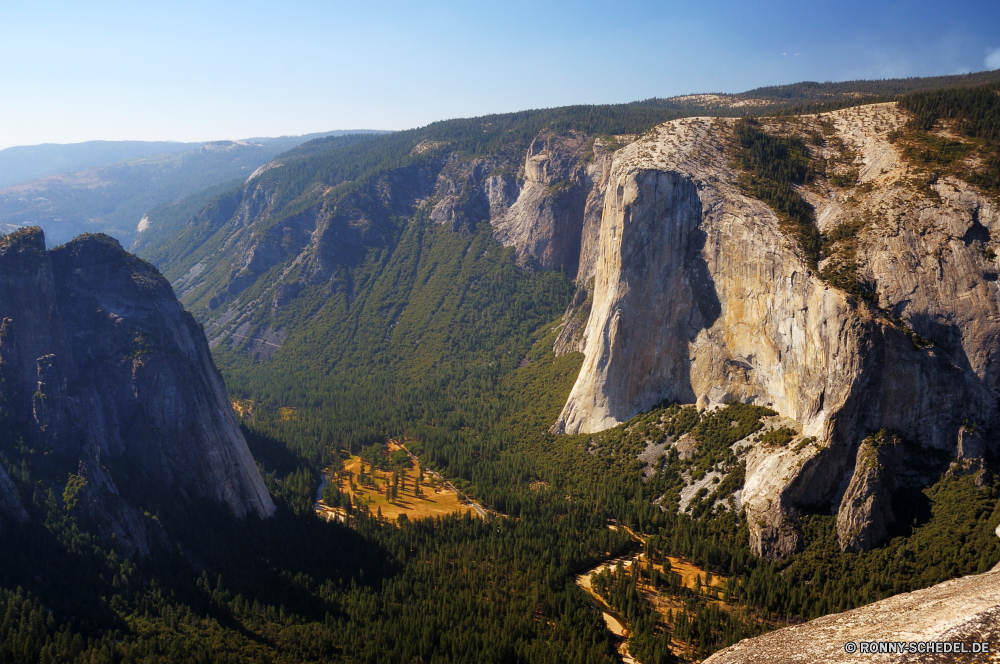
[[101, 364], [701, 297]]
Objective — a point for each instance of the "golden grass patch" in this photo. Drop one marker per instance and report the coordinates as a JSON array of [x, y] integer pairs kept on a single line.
[[436, 499]]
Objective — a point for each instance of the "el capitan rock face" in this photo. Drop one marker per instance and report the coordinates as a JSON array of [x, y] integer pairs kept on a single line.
[[700, 297], [102, 365]]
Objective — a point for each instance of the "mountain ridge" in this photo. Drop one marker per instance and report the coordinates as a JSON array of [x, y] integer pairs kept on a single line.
[[313, 224], [113, 196], [434, 288], [45, 158]]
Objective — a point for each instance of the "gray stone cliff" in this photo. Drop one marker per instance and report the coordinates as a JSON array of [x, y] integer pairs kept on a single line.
[[961, 610], [101, 364]]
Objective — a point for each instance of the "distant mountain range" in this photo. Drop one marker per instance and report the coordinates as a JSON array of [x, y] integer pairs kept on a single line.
[[107, 186], [26, 162]]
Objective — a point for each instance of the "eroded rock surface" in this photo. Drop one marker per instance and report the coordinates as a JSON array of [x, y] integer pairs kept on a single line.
[[700, 296], [545, 203], [961, 610], [545, 221], [101, 364], [866, 508]]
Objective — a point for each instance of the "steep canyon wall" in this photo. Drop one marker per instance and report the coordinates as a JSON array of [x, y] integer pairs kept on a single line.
[[102, 365], [700, 297]]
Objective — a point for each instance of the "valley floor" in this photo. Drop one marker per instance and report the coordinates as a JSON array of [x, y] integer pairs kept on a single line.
[[668, 601], [421, 493]]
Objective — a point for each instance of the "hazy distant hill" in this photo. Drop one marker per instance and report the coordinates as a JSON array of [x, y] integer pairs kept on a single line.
[[26, 162], [111, 195]]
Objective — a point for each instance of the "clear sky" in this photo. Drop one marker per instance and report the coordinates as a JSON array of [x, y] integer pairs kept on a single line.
[[211, 70]]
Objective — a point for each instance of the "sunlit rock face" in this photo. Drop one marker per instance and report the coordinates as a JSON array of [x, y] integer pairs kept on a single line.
[[700, 297], [961, 610]]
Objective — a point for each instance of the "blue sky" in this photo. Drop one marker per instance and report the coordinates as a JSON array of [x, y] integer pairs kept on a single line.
[[209, 70]]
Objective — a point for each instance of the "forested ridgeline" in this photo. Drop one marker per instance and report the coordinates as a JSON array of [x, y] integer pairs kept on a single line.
[[809, 91], [113, 196], [955, 132], [329, 169]]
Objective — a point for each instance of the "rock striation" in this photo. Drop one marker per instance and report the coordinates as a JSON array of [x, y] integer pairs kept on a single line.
[[701, 297], [961, 610], [555, 218], [102, 365], [10, 506]]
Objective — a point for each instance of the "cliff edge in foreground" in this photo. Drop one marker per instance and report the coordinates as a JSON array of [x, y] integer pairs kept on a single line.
[[958, 611]]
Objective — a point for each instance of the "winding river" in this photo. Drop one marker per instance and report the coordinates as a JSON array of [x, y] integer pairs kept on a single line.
[[615, 623]]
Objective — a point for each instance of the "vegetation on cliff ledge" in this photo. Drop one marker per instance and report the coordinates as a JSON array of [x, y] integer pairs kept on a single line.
[[955, 132], [772, 166]]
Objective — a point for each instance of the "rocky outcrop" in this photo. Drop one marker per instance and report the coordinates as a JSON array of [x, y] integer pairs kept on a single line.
[[10, 507], [557, 206], [886, 468], [101, 364], [971, 456], [959, 611], [971, 444], [866, 508], [700, 297], [545, 203]]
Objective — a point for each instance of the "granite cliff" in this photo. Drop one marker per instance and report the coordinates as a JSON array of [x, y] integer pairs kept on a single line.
[[102, 366], [701, 297], [962, 611]]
